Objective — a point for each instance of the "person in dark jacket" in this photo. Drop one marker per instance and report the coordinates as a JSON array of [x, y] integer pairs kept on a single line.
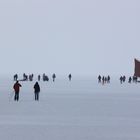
[[39, 77], [99, 79], [36, 91], [15, 77], [17, 89], [54, 76], [70, 76]]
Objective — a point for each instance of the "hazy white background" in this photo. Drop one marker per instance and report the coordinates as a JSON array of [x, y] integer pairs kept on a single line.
[[63, 36]]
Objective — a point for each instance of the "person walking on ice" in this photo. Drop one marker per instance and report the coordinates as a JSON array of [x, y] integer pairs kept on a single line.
[[17, 89], [36, 91]]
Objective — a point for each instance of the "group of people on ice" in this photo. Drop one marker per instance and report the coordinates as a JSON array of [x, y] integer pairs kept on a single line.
[[106, 79], [44, 77], [133, 79], [17, 87], [103, 79], [36, 87]]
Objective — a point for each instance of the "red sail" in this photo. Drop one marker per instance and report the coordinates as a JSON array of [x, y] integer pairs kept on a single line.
[[137, 68]]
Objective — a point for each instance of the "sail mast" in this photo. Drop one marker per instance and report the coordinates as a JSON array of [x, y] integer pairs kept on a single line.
[[137, 68]]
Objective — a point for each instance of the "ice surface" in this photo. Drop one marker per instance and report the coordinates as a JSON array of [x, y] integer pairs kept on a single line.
[[77, 110]]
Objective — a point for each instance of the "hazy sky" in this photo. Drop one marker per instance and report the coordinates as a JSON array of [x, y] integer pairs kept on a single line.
[[69, 36]]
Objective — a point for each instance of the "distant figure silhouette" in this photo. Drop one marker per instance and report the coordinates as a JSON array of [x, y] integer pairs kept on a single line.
[[103, 80], [36, 91], [45, 77], [25, 77], [108, 79], [124, 78], [70, 76], [121, 79], [39, 77], [99, 79], [15, 77], [31, 77], [130, 79], [54, 76], [17, 89]]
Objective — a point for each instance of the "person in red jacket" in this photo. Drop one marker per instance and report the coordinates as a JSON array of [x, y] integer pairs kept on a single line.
[[17, 89]]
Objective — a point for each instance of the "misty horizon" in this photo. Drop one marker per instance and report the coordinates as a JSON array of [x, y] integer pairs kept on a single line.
[[78, 37]]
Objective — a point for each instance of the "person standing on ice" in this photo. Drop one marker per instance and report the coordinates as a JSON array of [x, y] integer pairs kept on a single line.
[[70, 76], [99, 79], [36, 91], [17, 89], [54, 76], [39, 77]]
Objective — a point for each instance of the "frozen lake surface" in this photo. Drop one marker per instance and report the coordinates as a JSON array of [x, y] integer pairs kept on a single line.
[[78, 110]]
